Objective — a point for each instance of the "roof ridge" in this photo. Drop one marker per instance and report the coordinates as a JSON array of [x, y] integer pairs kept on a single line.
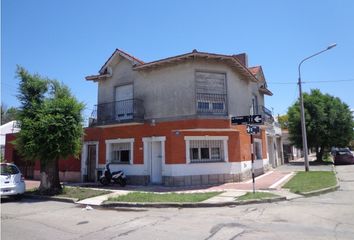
[[133, 57], [196, 53]]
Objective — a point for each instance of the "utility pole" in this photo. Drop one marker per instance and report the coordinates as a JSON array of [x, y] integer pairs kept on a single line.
[[302, 110]]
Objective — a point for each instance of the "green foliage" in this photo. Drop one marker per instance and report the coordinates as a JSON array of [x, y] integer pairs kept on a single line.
[[50, 119], [328, 121], [284, 121], [8, 115], [351, 144]]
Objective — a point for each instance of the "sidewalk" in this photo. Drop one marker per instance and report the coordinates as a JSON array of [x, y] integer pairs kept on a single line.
[[271, 181]]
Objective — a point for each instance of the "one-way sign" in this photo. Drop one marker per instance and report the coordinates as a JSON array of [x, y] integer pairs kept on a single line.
[[252, 129], [250, 119], [256, 119]]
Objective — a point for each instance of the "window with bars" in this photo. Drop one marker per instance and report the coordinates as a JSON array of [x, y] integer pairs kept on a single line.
[[211, 93], [120, 152], [206, 151]]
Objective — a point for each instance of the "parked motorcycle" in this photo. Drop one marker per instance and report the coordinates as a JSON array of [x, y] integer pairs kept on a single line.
[[115, 177]]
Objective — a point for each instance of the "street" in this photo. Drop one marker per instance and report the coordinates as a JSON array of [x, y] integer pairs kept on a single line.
[[329, 216]]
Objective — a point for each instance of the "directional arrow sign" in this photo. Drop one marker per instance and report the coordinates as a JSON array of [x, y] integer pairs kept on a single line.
[[249, 119], [257, 119]]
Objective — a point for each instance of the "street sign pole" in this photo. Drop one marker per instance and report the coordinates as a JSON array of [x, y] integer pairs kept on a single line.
[[251, 130], [252, 157]]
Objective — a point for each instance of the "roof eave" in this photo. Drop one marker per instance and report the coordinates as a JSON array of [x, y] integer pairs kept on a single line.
[[266, 91], [96, 78], [195, 54], [131, 58]]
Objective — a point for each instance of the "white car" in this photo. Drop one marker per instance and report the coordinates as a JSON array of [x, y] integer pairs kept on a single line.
[[12, 181]]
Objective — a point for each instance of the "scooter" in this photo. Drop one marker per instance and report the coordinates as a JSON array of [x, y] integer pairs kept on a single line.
[[115, 177]]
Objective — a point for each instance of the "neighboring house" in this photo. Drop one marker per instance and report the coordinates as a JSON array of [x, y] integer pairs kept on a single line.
[[69, 169], [10, 127], [168, 121], [275, 144], [8, 152], [290, 151], [273, 130]]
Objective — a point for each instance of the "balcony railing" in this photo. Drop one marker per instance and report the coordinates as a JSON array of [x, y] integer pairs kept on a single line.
[[210, 103], [266, 114], [131, 110]]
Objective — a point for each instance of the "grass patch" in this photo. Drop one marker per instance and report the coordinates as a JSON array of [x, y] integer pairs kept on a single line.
[[163, 197], [256, 196], [311, 181], [73, 192], [81, 193]]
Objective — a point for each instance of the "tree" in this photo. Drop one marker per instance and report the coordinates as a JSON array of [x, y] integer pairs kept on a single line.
[[8, 115], [51, 126], [328, 122], [283, 121]]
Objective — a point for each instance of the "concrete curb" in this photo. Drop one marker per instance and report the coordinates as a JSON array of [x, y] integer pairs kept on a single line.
[[51, 198], [323, 190], [111, 205], [266, 200], [320, 191]]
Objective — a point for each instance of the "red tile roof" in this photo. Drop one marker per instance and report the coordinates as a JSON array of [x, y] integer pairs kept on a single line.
[[136, 59], [233, 60], [122, 53], [254, 70]]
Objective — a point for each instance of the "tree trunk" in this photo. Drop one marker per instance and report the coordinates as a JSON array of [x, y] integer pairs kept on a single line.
[[319, 153], [50, 183]]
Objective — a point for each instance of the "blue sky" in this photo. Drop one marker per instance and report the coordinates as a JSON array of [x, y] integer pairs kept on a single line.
[[68, 40]]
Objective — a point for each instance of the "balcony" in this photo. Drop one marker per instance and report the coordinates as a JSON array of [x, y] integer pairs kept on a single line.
[[211, 104], [267, 114], [125, 111]]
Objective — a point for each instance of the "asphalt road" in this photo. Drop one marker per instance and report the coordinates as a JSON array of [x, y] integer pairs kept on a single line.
[[329, 216]]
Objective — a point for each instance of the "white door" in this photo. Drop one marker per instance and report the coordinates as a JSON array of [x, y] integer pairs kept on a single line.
[[156, 162], [271, 153], [124, 102]]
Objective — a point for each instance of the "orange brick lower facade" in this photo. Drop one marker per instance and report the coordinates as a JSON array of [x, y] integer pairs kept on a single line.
[[175, 166], [167, 152]]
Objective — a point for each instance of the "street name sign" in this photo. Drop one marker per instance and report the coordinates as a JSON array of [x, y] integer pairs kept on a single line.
[[239, 120], [249, 119]]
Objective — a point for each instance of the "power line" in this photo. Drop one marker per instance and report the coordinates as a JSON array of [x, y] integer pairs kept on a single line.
[[346, 80], [327, 81]]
